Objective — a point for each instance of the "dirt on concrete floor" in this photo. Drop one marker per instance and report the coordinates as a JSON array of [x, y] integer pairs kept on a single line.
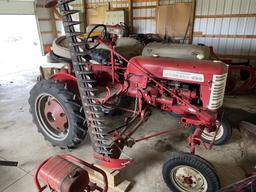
[[20, 141]]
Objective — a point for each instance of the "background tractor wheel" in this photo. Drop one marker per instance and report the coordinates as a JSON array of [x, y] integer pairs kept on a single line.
[[223, 135], [57, 113], [185, 172]]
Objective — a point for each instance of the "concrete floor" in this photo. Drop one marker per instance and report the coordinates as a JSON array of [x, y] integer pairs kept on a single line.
[[20, 141]]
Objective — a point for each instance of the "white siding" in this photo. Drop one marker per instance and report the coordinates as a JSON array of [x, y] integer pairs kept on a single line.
[[227, 26], [211, 26], [45, 27], [217, 26]]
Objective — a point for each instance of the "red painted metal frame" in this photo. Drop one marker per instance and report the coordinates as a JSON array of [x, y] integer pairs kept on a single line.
[[198, 111], [162, 133], [197, 116], [193, 140], [55, 119], [72, 159], [66, 77]]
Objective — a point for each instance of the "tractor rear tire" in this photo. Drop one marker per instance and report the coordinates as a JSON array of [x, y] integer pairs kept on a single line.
[[58, 114], [185, 172]]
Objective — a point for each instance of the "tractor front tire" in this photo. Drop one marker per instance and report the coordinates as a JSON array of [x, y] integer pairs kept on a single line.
[[58, 114], [223, 136], [185, 172]]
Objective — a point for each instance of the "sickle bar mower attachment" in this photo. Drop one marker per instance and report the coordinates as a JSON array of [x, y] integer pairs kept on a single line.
[[101, 140]]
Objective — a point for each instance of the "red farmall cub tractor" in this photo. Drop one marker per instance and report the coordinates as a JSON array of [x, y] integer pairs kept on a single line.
[[83, 97]]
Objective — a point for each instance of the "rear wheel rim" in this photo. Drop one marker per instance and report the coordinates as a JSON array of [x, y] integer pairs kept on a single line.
[[188, 179], [52, 117], [210, 135]]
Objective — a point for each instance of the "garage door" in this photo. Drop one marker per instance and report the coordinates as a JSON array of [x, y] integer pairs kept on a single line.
[[49, 26]]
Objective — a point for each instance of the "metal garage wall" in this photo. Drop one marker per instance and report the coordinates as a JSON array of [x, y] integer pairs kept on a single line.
[[49, 25], [144, 12], [149, 25], [228, 25], [144, 25]]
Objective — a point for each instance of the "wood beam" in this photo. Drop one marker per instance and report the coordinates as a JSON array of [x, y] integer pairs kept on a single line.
[[48, 19], [146, 7], [200, 34], [85, 12], [225, 16], [130, 10], [50, 32], [118, 8], [53, 23], [192, 22], [144, 18], [249, 57], [141, 1], [120, 2]]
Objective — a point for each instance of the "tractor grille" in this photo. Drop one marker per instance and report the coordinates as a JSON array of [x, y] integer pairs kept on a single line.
[[217, 91]]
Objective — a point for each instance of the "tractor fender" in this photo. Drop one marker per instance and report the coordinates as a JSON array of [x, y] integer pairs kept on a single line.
[[69, 80]]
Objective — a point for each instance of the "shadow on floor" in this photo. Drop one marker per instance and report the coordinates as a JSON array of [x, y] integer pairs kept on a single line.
[[235, 116], [143, 162]]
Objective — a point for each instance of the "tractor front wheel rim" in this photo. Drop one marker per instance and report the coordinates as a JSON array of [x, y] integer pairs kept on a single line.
[[210, 135], [188, 179], [52, 117]]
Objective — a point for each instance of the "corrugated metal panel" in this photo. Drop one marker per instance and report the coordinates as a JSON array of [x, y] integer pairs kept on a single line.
[[44, 27], [144, 25], [227, 26], [48, 28], [211, 26], [149, 26], [141, 25]]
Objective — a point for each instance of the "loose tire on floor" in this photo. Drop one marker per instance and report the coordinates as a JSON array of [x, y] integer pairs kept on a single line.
[[185, 172], [57, 114], [223, 136]]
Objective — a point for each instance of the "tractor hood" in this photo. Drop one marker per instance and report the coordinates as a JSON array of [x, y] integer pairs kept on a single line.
[[177, 69]]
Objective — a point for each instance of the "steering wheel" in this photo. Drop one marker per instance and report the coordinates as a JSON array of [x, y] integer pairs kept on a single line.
[[125, 28], [103, 35]]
